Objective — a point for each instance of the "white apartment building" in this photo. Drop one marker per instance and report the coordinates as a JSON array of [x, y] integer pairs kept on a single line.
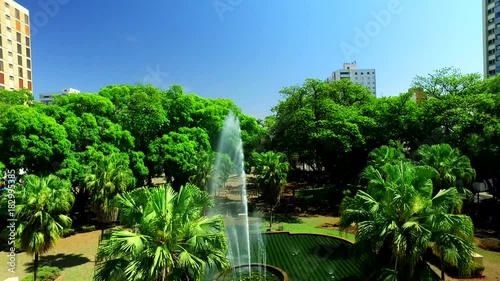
[[491, 37], [47, 98], [365, 77]]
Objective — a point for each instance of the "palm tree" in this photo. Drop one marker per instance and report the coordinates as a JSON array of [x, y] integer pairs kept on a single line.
[[451, 166], [109, 175], [168, 237], [385, 155], [42, 209], [398, 219], [271, 170]]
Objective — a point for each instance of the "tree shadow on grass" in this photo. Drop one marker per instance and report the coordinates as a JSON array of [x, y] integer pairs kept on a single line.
[[61, 261]]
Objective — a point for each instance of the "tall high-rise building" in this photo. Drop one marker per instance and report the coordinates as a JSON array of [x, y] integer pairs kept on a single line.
[[491, 37], [15, 47], [365, 77]]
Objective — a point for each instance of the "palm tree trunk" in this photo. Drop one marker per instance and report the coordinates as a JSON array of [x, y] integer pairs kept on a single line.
[[35, 267], [271, 219], [442, 267]]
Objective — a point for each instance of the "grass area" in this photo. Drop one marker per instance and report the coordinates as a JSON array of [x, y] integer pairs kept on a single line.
[[75, 256], [308, 225], [306, 257]]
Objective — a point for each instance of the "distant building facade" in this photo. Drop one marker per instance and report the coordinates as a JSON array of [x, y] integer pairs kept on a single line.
[[418, 94], [15, 47], [491, 37], [48, 98], [365, 77]]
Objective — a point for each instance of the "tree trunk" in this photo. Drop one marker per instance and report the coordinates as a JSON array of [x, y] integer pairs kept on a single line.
[[442, 267], [35, 267], [271, 219]]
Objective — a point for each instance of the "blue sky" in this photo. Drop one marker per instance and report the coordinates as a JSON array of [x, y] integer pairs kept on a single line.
[[246, 50]]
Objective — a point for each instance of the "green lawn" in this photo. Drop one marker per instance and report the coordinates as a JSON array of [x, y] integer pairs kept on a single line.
[[75, 255], [308, 225], [306, 257]]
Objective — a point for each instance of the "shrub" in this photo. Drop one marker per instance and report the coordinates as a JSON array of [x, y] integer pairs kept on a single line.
[[490, 244], [45, 273], [88, 228], [68, 232]]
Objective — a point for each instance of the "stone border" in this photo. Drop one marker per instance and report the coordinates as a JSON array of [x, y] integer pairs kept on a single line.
[[269, 267]]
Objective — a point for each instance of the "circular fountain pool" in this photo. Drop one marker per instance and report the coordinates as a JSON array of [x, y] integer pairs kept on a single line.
[[254, 272]]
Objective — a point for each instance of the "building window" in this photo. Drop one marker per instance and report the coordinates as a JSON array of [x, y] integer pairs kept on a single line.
[[1, 39], [1, 65], [491, 41], [18, 36], [29, 74], [28, 52], [27, 41], [26, 19], [497, 15], [1, 54], [490, 11], [491, 31], [491, 72], [18, 15], [19, 48], [28, 63], [491, 52], [491, 62], [20, 60], [20, 72]]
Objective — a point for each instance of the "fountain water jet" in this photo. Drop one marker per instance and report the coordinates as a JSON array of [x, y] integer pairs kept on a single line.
[[230, 143]]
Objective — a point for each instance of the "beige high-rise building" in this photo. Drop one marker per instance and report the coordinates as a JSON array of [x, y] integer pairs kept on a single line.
[[15, 47]]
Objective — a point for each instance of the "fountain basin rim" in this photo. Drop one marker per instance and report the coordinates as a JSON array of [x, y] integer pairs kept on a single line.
[[280, 272]]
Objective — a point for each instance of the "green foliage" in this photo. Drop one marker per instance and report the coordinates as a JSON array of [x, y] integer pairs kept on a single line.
[[18, 97], [451, 166], [398, 217], [68, 232], [45, 273], [170, 237], [88, 228], [31, 140], [108, 176]]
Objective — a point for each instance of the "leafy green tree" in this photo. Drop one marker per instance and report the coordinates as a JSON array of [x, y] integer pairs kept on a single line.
[[447, 81], [398, 219], [271, 170], [18, 97], [450, 165], [140, 110], [176, 153], [170, 238], [42, 208], [203, 170], [86, 103], [109, 175], [31, 140]]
